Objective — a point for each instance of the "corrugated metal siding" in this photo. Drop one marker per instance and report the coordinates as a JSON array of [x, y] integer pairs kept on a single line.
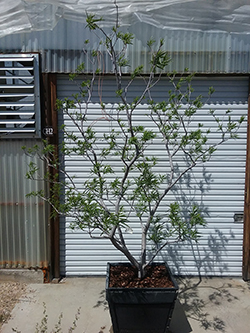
[[200, 51], [219, 186], [23, 221]]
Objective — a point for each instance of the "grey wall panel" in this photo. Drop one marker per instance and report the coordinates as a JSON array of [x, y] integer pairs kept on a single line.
[[218, 186], [23, 220]]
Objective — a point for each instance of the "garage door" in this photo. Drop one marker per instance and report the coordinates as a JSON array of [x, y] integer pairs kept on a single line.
[[218, 187]]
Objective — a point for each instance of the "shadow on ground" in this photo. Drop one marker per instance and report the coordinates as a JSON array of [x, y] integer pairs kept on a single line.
[[201, 301]]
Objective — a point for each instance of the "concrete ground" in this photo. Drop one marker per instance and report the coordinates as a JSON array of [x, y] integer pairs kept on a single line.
[[209, 305]]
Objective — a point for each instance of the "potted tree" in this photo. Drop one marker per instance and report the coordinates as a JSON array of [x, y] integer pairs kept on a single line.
[[128, 185]]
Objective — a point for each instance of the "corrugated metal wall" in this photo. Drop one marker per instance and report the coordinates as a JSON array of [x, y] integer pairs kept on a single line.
[[219, 187], [200, 51], [23, 221]]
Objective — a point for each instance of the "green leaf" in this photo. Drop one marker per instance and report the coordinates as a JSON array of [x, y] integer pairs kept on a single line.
[[137, 72], [119, 92], [92, 22], [127, 37], [150, 42], [211, 90]]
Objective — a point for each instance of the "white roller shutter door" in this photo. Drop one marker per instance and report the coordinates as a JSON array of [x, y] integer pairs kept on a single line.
[[219, 187]]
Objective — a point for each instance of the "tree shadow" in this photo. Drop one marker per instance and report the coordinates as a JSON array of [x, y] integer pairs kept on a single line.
[[102, 301], [207, 258], [196, 297]]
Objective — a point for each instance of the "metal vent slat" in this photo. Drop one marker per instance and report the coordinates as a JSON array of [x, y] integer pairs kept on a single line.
[[15, 104], [16, 68], [20, 59], [19, 96], [16, 95], [15, 113], [17, 86], [19, 130], [17, 121], [14, 77]]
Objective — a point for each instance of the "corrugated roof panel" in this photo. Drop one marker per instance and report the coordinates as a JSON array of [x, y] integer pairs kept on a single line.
[[200, 51]]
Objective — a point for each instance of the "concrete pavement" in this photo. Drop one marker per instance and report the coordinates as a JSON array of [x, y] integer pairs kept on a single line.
[[209, 305]]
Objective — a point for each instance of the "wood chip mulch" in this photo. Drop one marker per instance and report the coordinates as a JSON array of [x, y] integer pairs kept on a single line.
[[126, 277], [10, 293]]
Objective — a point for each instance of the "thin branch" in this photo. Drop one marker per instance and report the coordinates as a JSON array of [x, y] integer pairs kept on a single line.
[[161, 248]]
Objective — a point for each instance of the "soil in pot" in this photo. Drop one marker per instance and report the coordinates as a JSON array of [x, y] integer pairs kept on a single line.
[[126, 277]]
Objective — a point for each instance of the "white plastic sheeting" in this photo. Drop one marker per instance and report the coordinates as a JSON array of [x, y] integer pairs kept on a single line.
[[205, 15]]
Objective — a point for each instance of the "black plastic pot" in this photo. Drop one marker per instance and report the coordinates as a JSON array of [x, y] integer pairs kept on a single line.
[[140, 310]]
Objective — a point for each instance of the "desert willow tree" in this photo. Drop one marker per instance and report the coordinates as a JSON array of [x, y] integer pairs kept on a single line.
[[126, 184]]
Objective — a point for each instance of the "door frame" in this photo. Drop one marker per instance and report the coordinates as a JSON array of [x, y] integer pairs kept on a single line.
[[246, 235], [50, 120]]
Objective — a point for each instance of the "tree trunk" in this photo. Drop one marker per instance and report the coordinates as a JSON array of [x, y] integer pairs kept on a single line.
[[141, 270]]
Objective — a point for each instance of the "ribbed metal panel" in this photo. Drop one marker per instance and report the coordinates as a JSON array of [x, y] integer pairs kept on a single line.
[[23, 221], [219, 187], [200, 51]]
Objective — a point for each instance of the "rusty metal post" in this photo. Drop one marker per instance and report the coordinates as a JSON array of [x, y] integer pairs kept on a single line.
[[50, 122]]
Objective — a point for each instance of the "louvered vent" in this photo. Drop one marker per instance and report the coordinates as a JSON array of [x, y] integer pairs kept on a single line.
[[19, 96]]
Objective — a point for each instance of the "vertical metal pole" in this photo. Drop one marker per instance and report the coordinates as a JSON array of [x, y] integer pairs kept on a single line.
[[246, 237]]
